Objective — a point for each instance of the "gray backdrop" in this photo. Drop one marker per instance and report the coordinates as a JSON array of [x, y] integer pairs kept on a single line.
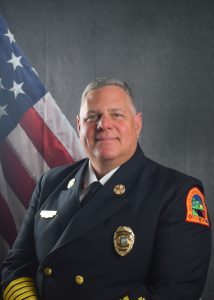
[[164, 49]]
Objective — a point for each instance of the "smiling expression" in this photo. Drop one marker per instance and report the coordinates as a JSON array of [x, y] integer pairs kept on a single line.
[[108, 126]]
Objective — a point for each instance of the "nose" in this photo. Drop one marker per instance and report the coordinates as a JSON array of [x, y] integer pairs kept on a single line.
[[105, 122]]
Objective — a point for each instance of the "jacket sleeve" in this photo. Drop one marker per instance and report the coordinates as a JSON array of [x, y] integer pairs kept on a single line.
[[19, 268], [182, 251]]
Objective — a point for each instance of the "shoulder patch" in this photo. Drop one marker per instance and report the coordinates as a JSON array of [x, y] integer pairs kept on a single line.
[[196, 208]]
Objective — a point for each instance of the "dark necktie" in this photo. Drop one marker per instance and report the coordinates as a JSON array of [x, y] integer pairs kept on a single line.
[[89, 192]]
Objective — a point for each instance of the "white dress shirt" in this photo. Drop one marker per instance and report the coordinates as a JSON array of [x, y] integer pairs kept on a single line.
[[90, 177]]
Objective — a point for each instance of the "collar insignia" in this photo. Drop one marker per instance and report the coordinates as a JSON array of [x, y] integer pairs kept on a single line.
[[119, 189]]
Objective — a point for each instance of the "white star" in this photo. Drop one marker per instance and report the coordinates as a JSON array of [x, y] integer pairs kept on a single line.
[[1, 85], [3, 111], [17, 88], [15, 61], [10, 36]]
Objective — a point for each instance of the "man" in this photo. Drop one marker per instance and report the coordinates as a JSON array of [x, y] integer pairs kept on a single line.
[[144, 234]]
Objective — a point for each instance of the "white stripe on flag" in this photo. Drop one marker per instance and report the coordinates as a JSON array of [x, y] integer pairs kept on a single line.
[[50, 112], [25, 151]]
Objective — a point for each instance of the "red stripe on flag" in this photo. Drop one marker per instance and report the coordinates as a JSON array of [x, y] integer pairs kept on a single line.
[[16, 175], [7, 224], [45, 141]]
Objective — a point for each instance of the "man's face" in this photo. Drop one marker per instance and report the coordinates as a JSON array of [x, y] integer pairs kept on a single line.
[[108, 126]]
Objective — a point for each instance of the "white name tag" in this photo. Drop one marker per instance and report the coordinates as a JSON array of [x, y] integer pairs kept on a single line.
[[47, 214]]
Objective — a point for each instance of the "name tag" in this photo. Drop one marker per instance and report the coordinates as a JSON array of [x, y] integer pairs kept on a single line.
[[48, 214]]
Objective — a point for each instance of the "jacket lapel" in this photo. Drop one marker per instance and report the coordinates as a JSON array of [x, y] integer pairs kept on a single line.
[[104, 204], [68, 202], [90, 215]]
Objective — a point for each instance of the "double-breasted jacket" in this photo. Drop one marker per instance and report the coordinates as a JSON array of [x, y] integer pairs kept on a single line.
[[73, 253]]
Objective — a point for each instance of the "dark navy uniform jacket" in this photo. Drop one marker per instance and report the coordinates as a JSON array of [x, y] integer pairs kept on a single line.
[[71, 255]]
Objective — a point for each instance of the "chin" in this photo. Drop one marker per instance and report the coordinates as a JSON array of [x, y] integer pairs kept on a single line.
[[106, 155]]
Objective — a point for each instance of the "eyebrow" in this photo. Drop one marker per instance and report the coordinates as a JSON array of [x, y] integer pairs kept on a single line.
[[92, 111], [109, 110]]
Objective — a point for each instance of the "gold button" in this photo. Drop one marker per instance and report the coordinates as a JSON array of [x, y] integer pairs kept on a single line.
[[79, 279], [126, 298], [48, 271], [141, 298]]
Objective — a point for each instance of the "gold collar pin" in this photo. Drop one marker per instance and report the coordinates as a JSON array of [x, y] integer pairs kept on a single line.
[[119, 189]]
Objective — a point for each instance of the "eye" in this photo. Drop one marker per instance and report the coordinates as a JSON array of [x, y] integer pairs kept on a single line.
[[92, 118], [117, 116]]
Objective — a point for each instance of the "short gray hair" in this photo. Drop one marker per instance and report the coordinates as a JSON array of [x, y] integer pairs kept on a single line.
[[101, 82]]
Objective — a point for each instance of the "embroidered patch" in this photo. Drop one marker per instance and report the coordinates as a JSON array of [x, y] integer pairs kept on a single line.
[[196, 208]]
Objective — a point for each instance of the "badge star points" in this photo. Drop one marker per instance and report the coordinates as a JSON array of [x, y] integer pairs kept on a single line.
[[10, 36], [15, 61], [17, 88], [3, 111]]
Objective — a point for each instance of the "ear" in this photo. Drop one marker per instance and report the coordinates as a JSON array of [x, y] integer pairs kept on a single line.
[[138, 123], [78, 124]]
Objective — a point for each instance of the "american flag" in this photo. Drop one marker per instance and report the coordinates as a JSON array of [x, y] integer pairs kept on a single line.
[[34, 135]]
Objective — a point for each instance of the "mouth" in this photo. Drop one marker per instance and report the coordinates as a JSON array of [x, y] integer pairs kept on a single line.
[[105, 139]]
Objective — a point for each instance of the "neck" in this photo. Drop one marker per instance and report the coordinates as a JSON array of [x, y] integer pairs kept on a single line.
[[102, 167]]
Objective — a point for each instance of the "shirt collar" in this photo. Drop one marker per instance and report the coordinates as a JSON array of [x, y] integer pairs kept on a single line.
[[90, 176]]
